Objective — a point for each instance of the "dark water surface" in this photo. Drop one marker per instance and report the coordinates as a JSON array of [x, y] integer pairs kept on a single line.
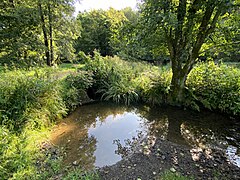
[[101, 134]]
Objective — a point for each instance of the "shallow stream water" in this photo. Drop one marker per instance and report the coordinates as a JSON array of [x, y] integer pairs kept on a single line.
[[101, 134]]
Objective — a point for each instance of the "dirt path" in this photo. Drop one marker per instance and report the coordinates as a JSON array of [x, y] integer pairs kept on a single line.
[[164, 155]]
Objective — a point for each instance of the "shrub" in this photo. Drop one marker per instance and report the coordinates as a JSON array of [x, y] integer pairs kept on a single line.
[[128, 82], [216, 87], [154, 86], [75, 85], [24, 97], [30, 101]]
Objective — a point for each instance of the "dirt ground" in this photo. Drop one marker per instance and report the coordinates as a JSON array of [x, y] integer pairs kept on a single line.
[[164, 155]]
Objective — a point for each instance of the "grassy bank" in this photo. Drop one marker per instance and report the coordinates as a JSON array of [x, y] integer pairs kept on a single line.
[[31, 102]]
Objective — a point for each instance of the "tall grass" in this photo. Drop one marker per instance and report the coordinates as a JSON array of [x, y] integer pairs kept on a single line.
[[30, 101], [128, 82]]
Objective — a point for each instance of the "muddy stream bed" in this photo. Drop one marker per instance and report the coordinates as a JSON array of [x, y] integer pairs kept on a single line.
[[140, 142]]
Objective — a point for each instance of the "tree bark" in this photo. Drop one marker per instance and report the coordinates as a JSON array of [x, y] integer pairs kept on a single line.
[[44, 29], [183, 51], [50, 33]]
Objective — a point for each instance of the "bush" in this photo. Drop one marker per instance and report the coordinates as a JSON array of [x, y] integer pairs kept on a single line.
[[29, 102], [75, 85], [128, 82], [154, 86], [25, 98], [216, 87]]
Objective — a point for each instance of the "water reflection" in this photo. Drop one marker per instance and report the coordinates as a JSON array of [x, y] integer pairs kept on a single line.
[[102, 134], [114, 127]]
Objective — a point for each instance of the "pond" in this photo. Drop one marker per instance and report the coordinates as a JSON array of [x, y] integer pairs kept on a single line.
[[101, 134]]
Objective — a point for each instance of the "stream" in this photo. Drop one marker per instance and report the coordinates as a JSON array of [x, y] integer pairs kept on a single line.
[[101, 134]]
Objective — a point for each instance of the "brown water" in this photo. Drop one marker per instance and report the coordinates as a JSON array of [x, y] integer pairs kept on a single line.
[[101, 134]]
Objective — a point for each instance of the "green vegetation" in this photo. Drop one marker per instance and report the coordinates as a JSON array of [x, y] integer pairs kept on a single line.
[[128, 82], [216, 87], [44, 32], [168, 175], [80, 175], [30, 101]]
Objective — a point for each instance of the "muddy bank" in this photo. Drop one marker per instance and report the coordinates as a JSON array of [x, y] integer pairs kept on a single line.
[[164, 155]]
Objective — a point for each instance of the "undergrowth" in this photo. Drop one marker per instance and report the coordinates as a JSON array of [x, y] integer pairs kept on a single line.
[[215, 87], [128, 82], [30, 102], [168, 175]]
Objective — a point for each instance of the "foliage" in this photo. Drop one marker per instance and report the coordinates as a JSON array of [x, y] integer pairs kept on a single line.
[[76, 84], [27, 98], [134, 42], [81, 175], [113, 79], [223, 44], [32, 31], [99, 30], [184, 26], [155, 86], [19, 153], [30, 101], [213, 86], [216, 87], [168, 175], [128, 82]]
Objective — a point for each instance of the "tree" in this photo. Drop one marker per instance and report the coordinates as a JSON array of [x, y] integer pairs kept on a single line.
[[19, 32], [135, 44], [36, 30], [58, 26], [223, 44], [100, 30], [95, 33], [185, 26]]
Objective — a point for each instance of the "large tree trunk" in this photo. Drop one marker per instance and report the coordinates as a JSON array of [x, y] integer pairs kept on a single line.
[[179, 78], [183, 48], [44, 29], [177, 87]]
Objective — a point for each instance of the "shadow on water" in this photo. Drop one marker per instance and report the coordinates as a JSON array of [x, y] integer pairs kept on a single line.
[[101, 134]]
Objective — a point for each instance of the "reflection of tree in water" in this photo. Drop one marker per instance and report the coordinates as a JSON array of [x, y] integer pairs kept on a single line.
[[100, 112], [165, 124], [146, 137], [204, 130], [81, 148], [175, 125], [131, 146]]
